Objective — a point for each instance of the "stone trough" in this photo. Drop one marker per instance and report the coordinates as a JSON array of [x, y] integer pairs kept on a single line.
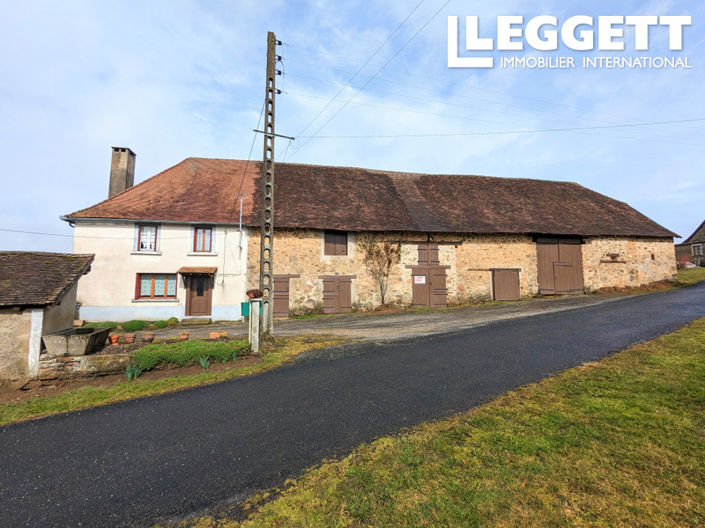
[[75, 341]]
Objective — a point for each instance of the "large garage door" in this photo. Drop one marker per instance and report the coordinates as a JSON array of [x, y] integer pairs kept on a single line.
[[560, 266]]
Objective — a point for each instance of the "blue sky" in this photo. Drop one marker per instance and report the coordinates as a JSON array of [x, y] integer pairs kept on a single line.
[[173, 79]]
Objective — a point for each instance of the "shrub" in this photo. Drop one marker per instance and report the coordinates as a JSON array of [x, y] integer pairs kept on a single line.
[[160, 324], [186, 352], [172, 321], [204, 361], [132, 372], [134, 326]]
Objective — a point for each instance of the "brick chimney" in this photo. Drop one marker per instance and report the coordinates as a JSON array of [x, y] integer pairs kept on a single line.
[[122, 170]]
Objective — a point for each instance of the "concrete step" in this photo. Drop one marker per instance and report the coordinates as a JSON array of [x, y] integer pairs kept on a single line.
[[196, 321]]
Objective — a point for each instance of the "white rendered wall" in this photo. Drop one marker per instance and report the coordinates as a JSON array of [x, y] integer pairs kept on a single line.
[[107, 293]]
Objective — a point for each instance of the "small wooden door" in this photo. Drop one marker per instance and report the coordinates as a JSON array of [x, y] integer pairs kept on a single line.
[[505, 285], [337, 294], [560, 266], [428, 287], [199, 289], [281, 296]]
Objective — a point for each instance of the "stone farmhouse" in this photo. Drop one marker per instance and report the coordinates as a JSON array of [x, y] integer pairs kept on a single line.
[[173, 245], [691, 249]]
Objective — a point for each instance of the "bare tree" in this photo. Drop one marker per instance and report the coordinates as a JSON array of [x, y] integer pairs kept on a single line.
[[379, 257]]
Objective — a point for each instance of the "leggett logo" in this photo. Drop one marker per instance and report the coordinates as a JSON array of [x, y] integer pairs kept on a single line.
[[577, 33]]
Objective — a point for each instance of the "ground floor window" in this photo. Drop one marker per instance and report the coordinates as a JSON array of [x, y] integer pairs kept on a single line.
[[155, 286]]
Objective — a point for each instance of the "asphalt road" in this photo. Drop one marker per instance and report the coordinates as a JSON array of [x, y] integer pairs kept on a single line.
[[145, 461]]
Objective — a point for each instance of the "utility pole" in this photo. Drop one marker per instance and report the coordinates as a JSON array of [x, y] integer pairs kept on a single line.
[[266, 273]]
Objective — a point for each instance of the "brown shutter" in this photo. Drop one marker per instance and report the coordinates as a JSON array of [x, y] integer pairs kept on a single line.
[[329, 243], [433, 254], [330, 295], [428, 254], [342, 244]]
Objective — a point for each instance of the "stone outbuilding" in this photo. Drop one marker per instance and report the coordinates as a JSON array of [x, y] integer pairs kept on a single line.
[[691, 249], [37, 297], [452, 239]]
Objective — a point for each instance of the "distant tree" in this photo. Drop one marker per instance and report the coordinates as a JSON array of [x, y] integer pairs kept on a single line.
[[379, 257]]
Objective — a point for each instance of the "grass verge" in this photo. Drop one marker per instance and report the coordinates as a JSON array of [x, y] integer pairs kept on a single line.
[[273, 354], [691, 275], [613, 443]]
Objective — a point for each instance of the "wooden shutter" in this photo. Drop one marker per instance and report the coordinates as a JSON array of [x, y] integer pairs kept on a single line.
[[428, 254], [335, 243]]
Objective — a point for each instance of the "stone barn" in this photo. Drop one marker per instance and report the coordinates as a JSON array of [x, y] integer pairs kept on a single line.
[[37, 297], [448, 238]]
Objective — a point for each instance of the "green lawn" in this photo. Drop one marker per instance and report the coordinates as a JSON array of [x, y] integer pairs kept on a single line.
[[691, 275], [615, 443], [273, 354]]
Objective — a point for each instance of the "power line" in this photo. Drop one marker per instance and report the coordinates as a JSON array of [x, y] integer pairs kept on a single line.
[[375, 75], [438, 79], [668, 139], [451, 134], [389, 37], [527, 112]]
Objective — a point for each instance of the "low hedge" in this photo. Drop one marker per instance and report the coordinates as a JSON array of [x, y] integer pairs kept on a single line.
[[186, 352]]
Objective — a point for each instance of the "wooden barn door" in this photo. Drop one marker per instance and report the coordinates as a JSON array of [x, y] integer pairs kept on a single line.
[[337, 294], [281, 296], [560, 266], [505, 285], [428, 287]]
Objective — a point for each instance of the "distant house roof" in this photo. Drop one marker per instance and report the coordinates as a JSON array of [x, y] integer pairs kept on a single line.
[[355, 199], [696, 237], [30, 278]]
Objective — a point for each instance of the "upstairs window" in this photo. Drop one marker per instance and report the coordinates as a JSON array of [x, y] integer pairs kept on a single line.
[[156, 286], [202, 239], [335, 243], [147, 238]]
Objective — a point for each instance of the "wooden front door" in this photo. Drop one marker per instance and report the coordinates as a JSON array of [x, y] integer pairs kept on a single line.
[[199, 290], [337, 294], [560, 266], [428, 287]]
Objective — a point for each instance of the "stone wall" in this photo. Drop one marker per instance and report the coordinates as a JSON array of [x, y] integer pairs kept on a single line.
[[469, 259], [15, 326], [611, 262]]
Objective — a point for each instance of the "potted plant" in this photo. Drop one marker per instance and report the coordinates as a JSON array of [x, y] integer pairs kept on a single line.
[[214, 335], [254, 294], [130, 338], [147, 337], [114, 338], [183, 336]]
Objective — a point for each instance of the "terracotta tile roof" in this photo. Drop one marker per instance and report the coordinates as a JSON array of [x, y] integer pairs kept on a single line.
[[355, 199], [36, 279]]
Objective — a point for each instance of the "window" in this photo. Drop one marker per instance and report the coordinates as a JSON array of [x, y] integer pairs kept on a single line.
[[697, 250], [147, 238], [156, 286], [202, 239], [335, 243]]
